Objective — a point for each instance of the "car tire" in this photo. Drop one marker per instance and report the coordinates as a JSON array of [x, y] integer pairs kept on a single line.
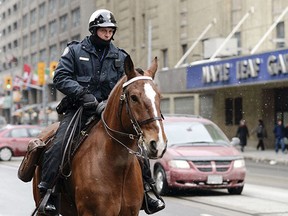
[[236, 190], [5, 154], [161, 181]]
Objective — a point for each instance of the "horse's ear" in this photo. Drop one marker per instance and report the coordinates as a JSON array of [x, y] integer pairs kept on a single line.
[[129, 67], [153, 68]]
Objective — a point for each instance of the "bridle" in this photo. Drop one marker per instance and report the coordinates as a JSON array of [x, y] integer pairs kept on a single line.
[[135, 124]]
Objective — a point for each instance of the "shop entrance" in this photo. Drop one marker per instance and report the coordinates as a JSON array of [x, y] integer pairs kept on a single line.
[[281, 105]]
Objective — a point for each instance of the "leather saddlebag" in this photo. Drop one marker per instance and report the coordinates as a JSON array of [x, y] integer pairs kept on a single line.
[[30, 161]]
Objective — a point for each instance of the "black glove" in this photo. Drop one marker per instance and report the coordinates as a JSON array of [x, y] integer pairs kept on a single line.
[[88, 101], [101, 106]]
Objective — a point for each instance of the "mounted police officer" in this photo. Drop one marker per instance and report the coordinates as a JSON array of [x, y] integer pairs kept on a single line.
[[86, 74]]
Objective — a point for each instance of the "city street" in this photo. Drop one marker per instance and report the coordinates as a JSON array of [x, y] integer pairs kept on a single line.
[[265, 193]]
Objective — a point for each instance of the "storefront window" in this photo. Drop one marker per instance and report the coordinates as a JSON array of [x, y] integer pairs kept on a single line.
[[233, 111]]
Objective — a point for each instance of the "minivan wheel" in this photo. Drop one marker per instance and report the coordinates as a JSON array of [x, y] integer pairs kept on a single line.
[[161, 181], [236, 190], [5, 154]]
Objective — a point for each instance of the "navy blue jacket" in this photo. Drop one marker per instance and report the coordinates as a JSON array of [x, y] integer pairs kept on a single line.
[[80, 68]]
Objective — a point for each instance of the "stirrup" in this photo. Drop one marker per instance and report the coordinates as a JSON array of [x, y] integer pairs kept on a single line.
[[44, 201], [56, 202]]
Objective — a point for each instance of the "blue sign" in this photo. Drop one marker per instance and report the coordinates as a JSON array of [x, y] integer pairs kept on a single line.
[[259, 68]]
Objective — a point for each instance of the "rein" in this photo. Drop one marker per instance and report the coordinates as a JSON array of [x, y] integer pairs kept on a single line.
[[136, 125]]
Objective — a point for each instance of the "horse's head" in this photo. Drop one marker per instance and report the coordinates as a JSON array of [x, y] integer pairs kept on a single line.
[[143, 107], [140, 108]]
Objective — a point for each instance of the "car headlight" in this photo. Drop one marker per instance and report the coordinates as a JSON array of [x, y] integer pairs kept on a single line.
[[239, 163], [179, 164]]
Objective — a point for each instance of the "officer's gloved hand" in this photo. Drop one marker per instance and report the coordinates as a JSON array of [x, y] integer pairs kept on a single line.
[[101, 106], [88, 101]]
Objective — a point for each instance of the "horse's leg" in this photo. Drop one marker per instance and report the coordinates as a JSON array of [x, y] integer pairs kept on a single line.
[[133, 191]]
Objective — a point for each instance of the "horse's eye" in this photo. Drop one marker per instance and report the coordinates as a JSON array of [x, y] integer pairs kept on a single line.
[[134, 98]]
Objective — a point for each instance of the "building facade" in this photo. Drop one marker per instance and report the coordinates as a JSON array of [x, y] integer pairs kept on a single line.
[[207, 32]]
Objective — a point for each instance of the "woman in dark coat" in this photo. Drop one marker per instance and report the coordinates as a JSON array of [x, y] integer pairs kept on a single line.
[[243, 134]]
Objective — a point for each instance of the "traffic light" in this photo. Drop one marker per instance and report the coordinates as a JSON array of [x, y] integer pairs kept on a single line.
[[41, 73], [8, 83], [53, 66]]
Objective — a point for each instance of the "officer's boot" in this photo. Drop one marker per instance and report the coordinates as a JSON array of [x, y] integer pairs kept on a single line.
[[152, 205]]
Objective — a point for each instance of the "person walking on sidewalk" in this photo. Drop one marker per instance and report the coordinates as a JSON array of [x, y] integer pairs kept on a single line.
[[279, 136], [242, 133], [261, 134]]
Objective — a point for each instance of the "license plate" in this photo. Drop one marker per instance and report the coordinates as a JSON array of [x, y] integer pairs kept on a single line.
[[215, 179]]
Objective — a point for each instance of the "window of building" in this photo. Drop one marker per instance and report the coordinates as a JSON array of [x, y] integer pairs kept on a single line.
[[63, 23], [33, 16], [15, 43], [233, 111], [42, 33], [42, 55], [52, 5], [42, 10], [25, 41], [76, 17], [25, 21], [184, 50], [165, 57], [34, 59], [52, 28], [33, 38], [15, 26], [15, 7], [53, 53], [239, 42], [280, 35]]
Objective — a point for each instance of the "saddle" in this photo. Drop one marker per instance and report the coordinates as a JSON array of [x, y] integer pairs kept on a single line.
[[37, 147]]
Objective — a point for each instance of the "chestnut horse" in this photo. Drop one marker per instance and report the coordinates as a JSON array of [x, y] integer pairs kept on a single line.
[[106, 177]]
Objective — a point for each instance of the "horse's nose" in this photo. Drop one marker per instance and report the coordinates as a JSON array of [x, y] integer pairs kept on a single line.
[[153, 145]]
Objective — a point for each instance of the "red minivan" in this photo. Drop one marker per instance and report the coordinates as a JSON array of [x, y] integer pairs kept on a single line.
[[199, 156]]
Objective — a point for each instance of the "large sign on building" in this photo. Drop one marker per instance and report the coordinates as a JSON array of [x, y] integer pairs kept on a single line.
[[260, 68]]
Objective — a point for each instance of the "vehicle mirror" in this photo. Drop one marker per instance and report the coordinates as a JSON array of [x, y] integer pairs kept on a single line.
[[235, 141]]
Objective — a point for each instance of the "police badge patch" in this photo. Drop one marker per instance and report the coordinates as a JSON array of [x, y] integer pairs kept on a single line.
[[66, 50]]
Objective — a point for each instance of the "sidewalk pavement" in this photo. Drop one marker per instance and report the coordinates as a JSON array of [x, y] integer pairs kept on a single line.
[[267, 156]]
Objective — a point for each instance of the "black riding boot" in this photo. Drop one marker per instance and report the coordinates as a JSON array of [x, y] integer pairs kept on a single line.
[[152, 205]]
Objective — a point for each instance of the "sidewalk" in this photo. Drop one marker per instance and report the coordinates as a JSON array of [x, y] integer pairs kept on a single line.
[[267, 156]]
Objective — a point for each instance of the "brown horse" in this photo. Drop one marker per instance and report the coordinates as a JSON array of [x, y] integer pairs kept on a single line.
[[106, 177]]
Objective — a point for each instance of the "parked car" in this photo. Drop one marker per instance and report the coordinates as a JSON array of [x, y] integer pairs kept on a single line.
[[199, 156], [14, 140], [2, 122]]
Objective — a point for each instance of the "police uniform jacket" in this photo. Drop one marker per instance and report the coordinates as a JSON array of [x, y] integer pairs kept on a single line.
[[81, 68]]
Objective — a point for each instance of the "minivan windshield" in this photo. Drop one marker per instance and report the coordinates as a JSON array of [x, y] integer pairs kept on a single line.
[[194, 133]]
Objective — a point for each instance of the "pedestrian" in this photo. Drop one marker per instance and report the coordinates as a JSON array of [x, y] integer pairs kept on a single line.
[[286, 137], [261, 134], [242, 133], [279, 136], [87, 72]]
